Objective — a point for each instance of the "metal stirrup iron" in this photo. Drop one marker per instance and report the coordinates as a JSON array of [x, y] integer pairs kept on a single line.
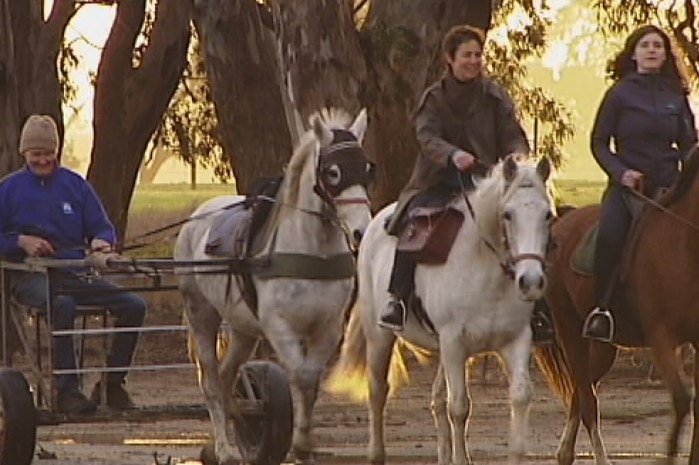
[[604, 312]]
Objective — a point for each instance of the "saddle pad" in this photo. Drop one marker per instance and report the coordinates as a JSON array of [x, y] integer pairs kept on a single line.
[[583, 259], [227, 231]]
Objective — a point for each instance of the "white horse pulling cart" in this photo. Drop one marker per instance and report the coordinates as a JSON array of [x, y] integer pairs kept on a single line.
[[292, 287]]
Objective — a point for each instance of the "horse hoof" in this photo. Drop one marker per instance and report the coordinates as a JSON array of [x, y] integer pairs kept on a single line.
[[208, 455], [304, 457]]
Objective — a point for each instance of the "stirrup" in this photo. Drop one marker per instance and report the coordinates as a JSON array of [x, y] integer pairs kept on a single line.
[[543, 333], [393, 325], [595, 314]]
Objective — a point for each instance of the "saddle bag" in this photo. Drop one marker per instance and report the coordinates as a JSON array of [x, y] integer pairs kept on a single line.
[[430, 233]]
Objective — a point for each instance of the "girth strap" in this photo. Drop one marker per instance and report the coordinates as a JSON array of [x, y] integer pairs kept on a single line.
[[302, 266]]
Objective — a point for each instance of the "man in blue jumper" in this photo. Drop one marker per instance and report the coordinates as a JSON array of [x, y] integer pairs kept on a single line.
[[50, 211]]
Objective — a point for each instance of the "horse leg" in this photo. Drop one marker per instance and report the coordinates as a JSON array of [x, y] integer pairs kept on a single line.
[[694, 450], [307, 380], [601, 359], [439, 412], [303, 380], [516, 356], [589, 362], [566, 448], [204, 322], [304, 360], [379, 351], [240, 346], [453, 358], [669, 367]]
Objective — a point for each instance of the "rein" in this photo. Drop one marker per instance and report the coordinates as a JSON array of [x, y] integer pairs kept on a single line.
[[655, 204], [508, 265]]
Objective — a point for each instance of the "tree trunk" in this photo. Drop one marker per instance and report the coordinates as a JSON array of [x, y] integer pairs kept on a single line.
[[321, 59], [131, 99], [28, 69], [150, 170], [405, 57], [9, 105], [241, 68]]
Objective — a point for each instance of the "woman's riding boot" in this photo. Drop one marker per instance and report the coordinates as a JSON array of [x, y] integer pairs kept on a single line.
[[599, 324], [394, 315], [542, 324]]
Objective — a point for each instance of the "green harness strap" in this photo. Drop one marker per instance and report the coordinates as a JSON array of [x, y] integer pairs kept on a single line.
[[296, 265]]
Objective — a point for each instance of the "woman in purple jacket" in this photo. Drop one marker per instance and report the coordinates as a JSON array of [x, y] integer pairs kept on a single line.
[[643, 130]]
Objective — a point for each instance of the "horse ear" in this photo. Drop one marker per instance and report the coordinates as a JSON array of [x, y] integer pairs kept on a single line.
[[322, 132], [509, 168], [359, 125], [543, 168]]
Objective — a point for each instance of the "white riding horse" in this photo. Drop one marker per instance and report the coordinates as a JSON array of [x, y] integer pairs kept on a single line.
[[480, 300], [322, 206]]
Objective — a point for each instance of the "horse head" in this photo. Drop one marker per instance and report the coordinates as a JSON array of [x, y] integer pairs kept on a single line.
[[330, 158], [525, 216]]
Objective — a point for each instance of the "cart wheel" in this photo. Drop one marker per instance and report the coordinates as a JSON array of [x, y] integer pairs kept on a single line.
[[18, 419], [264, 437]]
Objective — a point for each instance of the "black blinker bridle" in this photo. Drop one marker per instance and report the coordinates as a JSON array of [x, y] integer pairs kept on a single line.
[[342, 164]]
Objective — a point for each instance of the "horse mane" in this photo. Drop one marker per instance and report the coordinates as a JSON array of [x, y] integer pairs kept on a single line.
[[494, 188], [686, 179], [334, 118]]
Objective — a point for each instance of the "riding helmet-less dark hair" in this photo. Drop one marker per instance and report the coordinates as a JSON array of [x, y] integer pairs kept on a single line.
[[460, 34], [673, 69]]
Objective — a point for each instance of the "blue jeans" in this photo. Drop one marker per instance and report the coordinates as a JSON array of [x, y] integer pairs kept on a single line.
[[71, 290]]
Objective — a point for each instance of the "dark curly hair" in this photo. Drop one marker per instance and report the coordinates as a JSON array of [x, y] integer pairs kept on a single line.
[[673, 68], [458, 35]]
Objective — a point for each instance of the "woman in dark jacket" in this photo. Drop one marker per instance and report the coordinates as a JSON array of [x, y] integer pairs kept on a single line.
[[643, 130], [465, 124]]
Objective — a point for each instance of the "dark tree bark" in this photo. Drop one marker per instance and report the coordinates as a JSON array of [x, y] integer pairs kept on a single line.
[[131, 99], [9, 104], [29, 82], [242, 71], [321, 59]]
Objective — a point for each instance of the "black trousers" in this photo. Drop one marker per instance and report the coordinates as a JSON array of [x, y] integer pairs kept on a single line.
[[614, 223]]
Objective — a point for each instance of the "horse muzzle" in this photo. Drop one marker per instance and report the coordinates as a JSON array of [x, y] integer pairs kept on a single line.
[[529, 276]]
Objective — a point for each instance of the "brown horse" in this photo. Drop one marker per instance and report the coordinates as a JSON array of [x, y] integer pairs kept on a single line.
[[656, 305]]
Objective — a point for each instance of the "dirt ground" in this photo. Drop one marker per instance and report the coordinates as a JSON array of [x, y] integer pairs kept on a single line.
[[635, 416]]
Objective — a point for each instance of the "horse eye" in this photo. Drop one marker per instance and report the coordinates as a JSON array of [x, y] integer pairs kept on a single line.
[[506, 216], [370, 168], [333, 174], [549, 215]]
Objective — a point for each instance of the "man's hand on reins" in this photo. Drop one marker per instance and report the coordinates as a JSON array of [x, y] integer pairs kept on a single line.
[[35, 246]]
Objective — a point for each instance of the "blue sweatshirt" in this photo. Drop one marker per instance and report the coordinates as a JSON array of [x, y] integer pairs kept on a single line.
[[652, 128], [61, 208]]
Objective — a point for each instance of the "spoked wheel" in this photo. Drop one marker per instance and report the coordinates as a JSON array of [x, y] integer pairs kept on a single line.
[[263, 433], [18, 419]]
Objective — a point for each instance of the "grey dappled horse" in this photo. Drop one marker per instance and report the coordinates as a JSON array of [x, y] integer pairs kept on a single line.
[[323, 206]]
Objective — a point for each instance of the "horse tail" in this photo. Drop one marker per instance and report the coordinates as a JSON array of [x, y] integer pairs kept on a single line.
[[553, 364], [349, 375]]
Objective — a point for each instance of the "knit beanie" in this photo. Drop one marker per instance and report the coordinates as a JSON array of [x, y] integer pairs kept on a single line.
[[39, 133]]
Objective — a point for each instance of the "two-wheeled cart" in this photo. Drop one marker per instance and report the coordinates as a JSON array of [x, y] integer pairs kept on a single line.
[[261, 411]]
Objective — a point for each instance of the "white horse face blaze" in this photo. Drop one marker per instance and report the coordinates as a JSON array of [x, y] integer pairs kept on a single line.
[[355, 215], [526, 222]]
